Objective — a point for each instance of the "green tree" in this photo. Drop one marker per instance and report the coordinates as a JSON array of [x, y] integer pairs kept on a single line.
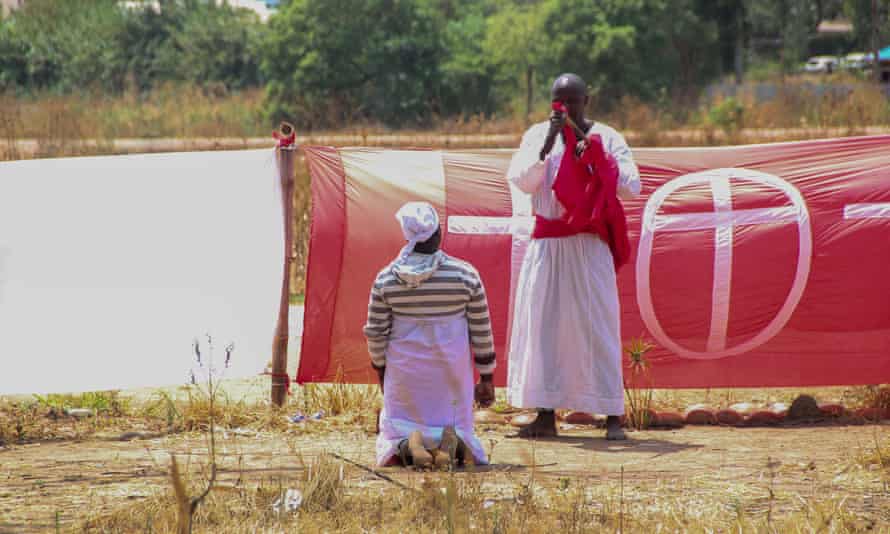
[[13, 52], [68, 45], [788, 26], [468, 74], [328, 62], [69, 55], [516, 44], [798, 21], [214, 44], [729, 16], [871, 24], [638, 51], [621, 47]]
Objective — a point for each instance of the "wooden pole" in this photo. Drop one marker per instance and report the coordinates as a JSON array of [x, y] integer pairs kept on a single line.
[[285, 154]]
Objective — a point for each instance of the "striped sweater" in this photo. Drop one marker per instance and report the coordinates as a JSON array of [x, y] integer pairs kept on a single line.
[[439, 286]]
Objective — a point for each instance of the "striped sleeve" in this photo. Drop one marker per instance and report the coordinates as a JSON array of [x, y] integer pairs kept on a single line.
[[378, 327], [479, 321]]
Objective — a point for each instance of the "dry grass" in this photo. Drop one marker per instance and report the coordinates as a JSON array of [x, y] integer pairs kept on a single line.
[[851, 397], [195, 411], [335, 499], [184, 111], [344, 406], [185, 409], [338, 398], [860, 105], [878, 454], [872, 397], [45, 418], [56, 122], [638, 384], [188, 408], [845, 102]]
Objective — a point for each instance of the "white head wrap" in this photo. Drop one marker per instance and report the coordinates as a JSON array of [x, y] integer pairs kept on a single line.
[[419, 222]]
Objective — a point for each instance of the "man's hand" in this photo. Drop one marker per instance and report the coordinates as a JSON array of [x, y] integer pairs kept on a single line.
[[557, 121], [580, 147], [484, 391]]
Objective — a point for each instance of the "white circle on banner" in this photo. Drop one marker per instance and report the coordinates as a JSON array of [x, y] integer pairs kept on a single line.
[[722, 220]]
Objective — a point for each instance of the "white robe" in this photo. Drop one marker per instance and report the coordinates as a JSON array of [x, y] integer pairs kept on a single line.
[[565, 343], [428, 385]]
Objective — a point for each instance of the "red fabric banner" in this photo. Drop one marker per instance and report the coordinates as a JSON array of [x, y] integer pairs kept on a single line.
[[761, 265]]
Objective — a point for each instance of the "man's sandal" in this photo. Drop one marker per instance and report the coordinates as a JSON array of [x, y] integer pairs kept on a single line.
[[544, 426], [615, 434]]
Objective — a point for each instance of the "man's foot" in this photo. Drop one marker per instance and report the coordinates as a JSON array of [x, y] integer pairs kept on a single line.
[[447, 454], [544, 426], [420, 457], [614, 432]]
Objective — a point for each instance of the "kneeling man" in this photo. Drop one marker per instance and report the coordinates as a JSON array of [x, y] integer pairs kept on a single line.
[[428, 323]]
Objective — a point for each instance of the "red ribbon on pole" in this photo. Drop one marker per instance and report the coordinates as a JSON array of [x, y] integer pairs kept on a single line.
[[285, 140]]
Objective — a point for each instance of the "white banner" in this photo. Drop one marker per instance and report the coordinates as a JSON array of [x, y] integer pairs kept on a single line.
[[110, 267]]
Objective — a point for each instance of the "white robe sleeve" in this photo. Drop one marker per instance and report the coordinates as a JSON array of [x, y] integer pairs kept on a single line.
[[628, 173], [527, 171]]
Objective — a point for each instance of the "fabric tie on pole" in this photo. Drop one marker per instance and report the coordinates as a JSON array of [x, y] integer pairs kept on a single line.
[[285, 140]]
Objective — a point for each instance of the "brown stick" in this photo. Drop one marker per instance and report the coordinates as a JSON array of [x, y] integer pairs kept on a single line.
[[579, 133], [285, 156], [374, 472], [183, 513]]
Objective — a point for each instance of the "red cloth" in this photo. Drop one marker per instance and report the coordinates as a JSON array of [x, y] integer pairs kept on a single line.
[[587, 187], [284, 141]]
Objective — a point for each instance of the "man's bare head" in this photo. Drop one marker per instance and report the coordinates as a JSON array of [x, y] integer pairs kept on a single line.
[[566, 84], [571, 90]]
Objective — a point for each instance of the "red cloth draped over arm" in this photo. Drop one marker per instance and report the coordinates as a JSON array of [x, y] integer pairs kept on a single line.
[[587, 187]]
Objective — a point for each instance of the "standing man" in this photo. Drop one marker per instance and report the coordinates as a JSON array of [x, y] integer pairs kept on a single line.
[[565, 345], [428, 324]]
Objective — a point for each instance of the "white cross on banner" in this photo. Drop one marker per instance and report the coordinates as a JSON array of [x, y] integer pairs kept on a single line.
[[519, 226]]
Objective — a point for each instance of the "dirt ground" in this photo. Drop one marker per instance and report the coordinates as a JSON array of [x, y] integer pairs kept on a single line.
[[45, 485]]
